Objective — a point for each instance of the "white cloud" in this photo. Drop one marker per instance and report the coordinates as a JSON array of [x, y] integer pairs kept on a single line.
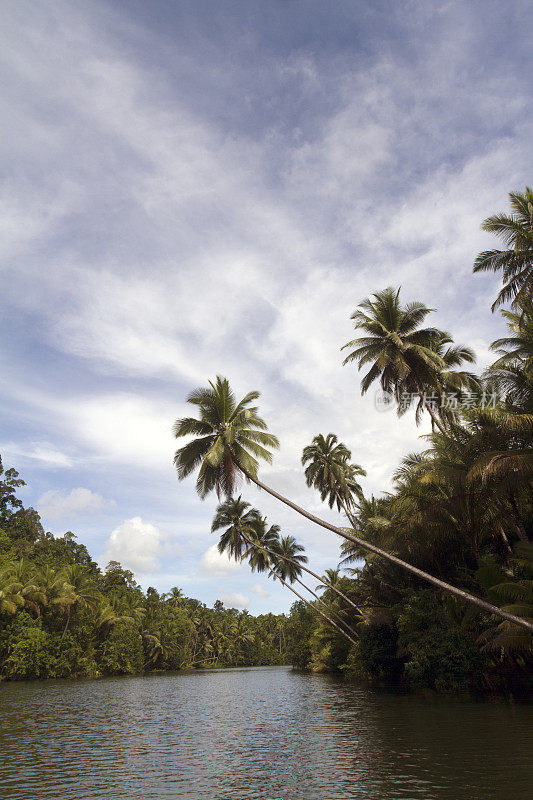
[[215, 563], [137, 545], [235, 600], [56, 503], [43, 452], [260, 591]]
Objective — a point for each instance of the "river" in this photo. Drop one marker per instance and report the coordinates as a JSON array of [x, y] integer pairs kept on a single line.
[[267, 733]]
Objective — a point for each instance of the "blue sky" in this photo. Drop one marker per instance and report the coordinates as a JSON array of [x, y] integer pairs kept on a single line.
[[199, 188]]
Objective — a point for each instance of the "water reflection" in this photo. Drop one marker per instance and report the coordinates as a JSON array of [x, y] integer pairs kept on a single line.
[[263, 733]]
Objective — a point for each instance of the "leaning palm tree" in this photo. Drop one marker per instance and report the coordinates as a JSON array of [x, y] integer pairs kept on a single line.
[[237, 518], [288, 560], [516, 262], [266, 542], [234, 517], [328, 466], [230, 437], [408, 360]]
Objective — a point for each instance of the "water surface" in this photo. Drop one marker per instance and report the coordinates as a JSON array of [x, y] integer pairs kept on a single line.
[[266, 733]]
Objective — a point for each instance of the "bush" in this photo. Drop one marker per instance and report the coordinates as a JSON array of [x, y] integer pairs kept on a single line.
[[438, 653]]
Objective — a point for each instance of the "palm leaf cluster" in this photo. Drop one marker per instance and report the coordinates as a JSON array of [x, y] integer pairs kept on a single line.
[[515, 262]]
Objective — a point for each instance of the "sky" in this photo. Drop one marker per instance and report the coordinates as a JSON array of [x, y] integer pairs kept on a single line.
[[192, 189]]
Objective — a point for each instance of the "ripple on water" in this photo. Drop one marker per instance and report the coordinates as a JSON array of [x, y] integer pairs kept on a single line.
[[256, 734]]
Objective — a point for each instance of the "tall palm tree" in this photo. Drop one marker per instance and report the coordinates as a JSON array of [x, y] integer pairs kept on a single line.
[[227, 444], [516, 262], [288, 561], [235, 516], [408, 360], [328, 467], [228, 436], [266, 541], [238, 519]]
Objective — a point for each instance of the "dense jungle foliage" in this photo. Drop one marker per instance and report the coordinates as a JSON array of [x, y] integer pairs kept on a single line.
[[61, 616]]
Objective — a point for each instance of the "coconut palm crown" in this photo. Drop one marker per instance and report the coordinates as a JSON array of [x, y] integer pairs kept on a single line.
[[228, 439], [516, 262], [329, 470], [406, 359], [235, 517]]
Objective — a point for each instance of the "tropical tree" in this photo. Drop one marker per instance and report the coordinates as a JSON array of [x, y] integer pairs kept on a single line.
[[288, 560], [265, 542], [79, 591], [10, 597], [229, 437], [239, 521], [409, 361], [329, 470], [234, 430], [515, 262]]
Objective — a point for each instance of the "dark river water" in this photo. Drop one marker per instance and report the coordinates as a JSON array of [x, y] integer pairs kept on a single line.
[[256, 733]]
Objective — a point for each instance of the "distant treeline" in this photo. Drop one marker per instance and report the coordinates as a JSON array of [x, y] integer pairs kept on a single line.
[[61, 616]]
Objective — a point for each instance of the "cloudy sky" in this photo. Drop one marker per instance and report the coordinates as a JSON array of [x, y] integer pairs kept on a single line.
[[192, 188]]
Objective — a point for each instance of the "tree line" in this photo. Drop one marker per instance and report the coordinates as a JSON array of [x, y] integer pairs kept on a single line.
[[435, 582], [61, 616]]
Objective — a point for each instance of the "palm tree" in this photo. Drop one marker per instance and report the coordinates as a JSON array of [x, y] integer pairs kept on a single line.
[[235, 516], [512, 373], [238, 519], [228, 436], [25, 579], [288, 561], [516, 262], [79, 591], [330, 578], [10, 596], [266, 541], [222, 453], [174, 597], [408, 360], [328, 467]]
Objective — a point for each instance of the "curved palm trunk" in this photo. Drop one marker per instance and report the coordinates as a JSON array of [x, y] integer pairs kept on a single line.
[[446, 587], [318, 611], [66, 626], [331, 611], [309, 572]]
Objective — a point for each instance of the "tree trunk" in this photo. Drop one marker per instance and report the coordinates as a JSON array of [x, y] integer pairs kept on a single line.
[[66, 626], [309, 572], [292, 561], [318, 611], [446, 587], [333, 613]]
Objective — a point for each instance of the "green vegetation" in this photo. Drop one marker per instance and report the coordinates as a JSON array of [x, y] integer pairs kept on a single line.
[[61, 616], [435, 583], [459, 518]]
